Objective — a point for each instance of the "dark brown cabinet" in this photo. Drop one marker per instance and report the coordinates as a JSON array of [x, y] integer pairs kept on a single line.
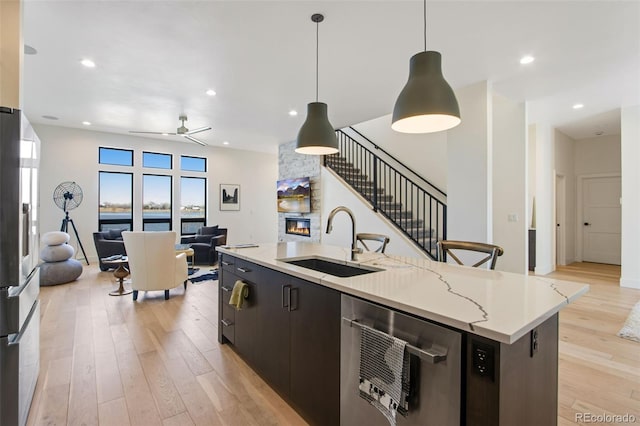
[[289, 332]]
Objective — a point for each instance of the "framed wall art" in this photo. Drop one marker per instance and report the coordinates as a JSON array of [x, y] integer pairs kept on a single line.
[[229, 196]]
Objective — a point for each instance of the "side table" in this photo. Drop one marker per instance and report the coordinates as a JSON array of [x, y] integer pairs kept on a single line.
[[188, 251], [120, 273]]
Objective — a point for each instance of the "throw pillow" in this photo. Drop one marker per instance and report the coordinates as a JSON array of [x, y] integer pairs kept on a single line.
[[208, 230], [115, 234]]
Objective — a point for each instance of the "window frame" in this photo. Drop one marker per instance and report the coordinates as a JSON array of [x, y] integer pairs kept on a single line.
[[158, 220], [106, 148], [159, 154], [101, 221]]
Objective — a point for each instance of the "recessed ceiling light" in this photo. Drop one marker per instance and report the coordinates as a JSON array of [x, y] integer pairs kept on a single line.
[[527, 59], [578, 106], [225, 143], [211, 92], [293, 113], [86, 123], [165, 134], [88, 63], [29, 50], [50, 117]]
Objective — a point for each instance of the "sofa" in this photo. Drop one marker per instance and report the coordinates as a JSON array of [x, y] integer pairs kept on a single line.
[[204, 244], [108, 243]]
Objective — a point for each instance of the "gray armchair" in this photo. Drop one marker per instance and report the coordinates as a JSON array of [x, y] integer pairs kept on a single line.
[[204, 244], [108, 243]]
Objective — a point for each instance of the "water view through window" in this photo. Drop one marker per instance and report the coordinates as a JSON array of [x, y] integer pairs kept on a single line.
[[116, 200], [193, 203], [156, 203]]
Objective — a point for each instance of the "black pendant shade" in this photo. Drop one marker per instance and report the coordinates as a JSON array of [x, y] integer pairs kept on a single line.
[[316, 136], [427, 103]]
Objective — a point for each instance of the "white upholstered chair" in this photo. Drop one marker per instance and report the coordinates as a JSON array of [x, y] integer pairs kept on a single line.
[[153, 262]]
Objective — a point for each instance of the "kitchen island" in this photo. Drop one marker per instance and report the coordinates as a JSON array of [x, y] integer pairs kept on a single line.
[[289, 330]]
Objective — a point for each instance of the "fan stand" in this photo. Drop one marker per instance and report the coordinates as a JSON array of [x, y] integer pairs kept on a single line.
[[65, 227]]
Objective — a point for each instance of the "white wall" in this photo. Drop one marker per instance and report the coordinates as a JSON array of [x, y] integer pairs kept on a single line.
[[334, 194], [72, 155], [531, 174], [509, 203], [545, 193], [598, 155], [468, 164], [424, 153], [630, 148], [565, 159]]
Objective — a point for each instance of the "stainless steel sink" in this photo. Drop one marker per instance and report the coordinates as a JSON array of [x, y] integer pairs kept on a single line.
[[330, 266]]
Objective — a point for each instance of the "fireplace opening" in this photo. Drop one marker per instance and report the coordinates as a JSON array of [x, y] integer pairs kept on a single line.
[[298, 226]]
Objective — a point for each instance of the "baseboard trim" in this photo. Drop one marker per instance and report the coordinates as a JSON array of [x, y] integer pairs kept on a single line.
[[543, 269], [629, 283]]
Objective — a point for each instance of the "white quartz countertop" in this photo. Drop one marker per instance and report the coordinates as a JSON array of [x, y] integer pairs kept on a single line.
[[502, 306]]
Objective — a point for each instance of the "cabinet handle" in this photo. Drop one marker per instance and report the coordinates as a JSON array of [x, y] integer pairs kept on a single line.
[[291, 299], [226, 323], [223, 288], [286, 296], [245, 270], [226, 263]]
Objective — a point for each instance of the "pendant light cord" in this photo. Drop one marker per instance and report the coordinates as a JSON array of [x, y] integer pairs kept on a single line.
[[317, 56], [425, 24]]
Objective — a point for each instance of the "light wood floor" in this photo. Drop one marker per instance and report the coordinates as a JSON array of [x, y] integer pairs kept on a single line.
[[599, 371], [109, 361]]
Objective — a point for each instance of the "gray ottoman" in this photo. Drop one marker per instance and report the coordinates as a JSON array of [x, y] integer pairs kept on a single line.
[[58, 267]]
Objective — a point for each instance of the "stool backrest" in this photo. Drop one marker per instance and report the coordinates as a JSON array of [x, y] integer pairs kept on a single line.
[[445, 248], [382, 239]]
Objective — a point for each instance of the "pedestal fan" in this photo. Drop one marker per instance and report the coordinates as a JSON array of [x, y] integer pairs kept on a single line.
[[68, 196]]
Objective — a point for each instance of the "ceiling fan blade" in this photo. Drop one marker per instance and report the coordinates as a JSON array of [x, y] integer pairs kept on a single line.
[[153, 133], [192, 139], [198, 130]]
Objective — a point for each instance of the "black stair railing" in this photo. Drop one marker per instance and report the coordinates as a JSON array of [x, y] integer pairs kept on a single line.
[[418, 210]]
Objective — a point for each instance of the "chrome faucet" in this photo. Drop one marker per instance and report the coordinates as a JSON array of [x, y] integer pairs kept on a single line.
[[354, 250]]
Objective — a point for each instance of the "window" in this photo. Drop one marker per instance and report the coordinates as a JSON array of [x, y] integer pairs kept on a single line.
[[156, 160], [118, 157], [193, 164], [193, 201], [116, 201], [156, 203]]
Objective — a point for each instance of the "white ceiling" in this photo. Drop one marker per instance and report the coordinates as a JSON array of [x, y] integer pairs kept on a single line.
[[156, 59]]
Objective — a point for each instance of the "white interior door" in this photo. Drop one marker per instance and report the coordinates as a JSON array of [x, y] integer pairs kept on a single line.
[[601, 220]]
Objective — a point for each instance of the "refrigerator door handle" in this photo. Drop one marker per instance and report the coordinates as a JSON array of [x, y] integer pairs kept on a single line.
[[25, 327]]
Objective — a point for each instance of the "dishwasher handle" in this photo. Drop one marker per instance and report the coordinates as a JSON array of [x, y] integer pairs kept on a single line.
[[431, 355]]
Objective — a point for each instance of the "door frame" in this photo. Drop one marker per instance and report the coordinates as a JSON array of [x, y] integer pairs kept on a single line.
[[579, 210], [560, 217]]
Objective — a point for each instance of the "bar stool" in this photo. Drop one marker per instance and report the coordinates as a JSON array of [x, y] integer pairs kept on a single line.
[[382, 239], [493, 251]]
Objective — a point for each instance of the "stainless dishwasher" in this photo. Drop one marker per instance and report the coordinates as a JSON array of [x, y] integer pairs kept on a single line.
[[434, 352]]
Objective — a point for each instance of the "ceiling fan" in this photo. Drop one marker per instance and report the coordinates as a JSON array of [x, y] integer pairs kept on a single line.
[[182, 131]]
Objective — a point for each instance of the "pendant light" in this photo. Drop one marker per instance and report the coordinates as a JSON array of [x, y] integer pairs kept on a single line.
[[317, 136], [427, 103]]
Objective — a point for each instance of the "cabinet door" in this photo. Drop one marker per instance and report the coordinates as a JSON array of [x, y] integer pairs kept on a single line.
[[272, 335], [227, 315], [315, 351], [244, 319]]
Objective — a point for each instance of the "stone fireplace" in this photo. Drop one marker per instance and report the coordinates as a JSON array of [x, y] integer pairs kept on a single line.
[[298, 226]]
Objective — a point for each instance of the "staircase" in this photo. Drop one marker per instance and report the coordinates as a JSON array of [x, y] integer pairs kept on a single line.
[[410, 202]]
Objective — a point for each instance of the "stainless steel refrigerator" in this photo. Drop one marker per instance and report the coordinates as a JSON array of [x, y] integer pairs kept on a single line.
[[19, 273]]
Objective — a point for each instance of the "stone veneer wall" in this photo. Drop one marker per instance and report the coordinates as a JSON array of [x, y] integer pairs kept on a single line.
[[293, 165]]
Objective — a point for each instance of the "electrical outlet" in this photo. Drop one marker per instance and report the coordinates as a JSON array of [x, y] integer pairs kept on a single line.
[[483, 357], [534, 342]]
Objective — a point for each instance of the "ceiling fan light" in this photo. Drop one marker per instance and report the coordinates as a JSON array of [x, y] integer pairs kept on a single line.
[[317, 136], [427, 103]]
